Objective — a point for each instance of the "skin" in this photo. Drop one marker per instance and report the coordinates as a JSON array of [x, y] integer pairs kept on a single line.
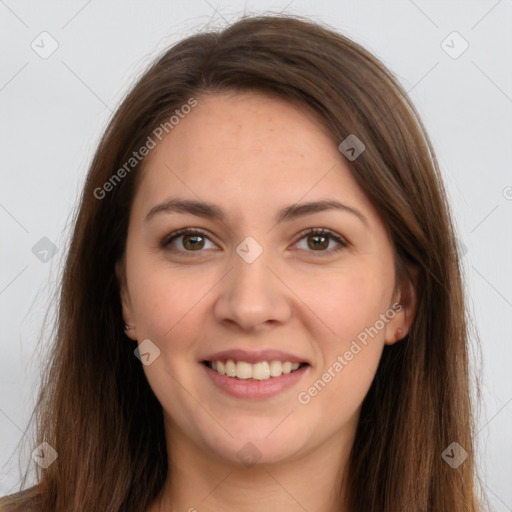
[[252, 155]]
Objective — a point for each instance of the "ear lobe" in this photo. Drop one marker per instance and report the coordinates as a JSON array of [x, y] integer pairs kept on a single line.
[[400, 325]]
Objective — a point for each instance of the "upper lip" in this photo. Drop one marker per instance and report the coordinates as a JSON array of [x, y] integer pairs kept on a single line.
[[255, 356]]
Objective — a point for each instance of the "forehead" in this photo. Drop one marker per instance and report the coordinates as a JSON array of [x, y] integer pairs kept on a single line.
[[249, 151]]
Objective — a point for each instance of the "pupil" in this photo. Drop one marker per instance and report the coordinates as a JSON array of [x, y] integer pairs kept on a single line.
[[321, 246], [188, 238]]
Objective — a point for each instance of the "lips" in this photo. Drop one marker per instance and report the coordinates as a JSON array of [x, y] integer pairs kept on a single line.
[[254, 374], [260, 371], [256, 389], [253, 357]]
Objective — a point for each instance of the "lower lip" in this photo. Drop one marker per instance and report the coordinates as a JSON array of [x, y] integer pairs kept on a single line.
[[246, 388]]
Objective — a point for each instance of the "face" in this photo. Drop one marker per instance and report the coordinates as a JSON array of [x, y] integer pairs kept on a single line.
[[256, 285]]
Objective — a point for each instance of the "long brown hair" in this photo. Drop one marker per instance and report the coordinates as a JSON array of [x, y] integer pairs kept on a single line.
[[96, 408]]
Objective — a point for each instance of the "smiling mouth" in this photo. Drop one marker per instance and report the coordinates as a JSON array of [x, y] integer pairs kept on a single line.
[[262, 370]]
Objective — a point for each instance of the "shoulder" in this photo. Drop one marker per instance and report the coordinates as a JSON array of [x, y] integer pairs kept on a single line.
[[22, 501]]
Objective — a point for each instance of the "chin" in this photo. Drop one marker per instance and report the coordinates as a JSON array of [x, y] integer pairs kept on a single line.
[[253, 444]]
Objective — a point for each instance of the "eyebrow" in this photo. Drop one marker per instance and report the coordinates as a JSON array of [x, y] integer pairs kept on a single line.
[[212, 211]]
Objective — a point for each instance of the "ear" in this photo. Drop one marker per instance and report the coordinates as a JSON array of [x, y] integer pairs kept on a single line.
[[120, 271], [404, 304]]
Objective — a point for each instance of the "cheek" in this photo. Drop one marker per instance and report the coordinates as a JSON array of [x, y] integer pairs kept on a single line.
[[351, 305], [164, 298], [348, 302], [349, 356]]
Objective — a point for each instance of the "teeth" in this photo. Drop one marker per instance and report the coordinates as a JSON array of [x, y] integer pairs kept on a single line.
[[287, 367], [230, 368], [243, 370], [259, 371], [276, 369]]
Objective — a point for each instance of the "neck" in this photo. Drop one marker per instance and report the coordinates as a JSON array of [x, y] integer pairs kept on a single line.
[[202, 482]]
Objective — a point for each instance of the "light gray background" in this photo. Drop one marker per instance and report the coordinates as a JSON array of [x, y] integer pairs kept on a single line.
[[53, 111]]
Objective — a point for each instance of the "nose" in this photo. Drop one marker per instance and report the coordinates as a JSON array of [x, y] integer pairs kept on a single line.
[[252, 296]]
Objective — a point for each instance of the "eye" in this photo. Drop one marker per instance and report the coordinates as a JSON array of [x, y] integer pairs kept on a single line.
[[193, 240], [319, 239]]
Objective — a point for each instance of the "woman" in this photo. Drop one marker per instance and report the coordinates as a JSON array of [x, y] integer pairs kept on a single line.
[[261, 307]]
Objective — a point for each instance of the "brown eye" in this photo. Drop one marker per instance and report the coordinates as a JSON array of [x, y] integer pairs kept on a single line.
[[193, 240], [318, 240]]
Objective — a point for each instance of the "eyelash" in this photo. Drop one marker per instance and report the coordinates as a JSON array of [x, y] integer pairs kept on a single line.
[[166, 241]]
